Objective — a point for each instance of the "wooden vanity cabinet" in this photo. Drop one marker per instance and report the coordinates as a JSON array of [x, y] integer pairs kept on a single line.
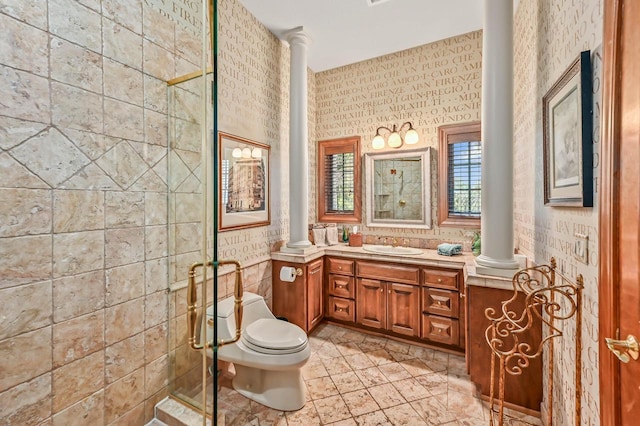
[[301, 301], [442, 318], [341, 291], [388, 297]]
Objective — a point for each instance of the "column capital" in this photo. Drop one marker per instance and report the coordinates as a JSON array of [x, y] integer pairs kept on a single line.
[[297, 35]]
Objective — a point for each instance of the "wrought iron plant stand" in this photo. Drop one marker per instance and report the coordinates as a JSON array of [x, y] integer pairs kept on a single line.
[[549, 301]]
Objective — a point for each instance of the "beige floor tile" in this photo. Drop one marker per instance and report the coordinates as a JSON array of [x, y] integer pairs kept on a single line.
[[359, 361], [394, 371], [411, 389], [336, 365], [313, 370], [398, 356], [441, 357], [436, 383], [328, 351], [380, 356], [386, 395], [416, 367], [321, 387], [464, 404], [419, 352], [372, 377], [436, 365], [360, 402], [433, 411], [347, 382], [348, 348], [377, 418], [404, 415], [332, 409], [460, 383], [400, 347], [347, 422], [372, 343], [306, 416]]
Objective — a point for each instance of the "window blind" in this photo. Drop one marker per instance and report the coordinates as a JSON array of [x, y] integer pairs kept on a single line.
[[339, 188], [464, 178]]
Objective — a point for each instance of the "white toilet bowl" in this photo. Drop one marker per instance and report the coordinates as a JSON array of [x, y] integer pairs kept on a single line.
[[267, 358]]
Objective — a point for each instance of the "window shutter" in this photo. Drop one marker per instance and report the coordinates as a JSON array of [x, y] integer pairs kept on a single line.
[[464, 178]]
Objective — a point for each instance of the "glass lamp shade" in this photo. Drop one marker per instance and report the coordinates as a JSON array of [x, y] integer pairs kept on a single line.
[[377, 142], [256, 153], [236, 153], [394, 141], [411, 137], [246, 153]]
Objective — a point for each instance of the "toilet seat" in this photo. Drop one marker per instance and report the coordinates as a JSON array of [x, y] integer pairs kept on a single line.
[[273, 336]]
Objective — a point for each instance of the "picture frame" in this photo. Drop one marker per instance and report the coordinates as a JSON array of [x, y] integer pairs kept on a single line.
[[244, 190], [567, 116]]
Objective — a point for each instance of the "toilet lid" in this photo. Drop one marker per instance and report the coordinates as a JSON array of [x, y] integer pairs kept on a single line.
[[274, 336]]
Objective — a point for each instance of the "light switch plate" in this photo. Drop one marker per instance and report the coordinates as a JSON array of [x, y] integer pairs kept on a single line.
[[581, 248]]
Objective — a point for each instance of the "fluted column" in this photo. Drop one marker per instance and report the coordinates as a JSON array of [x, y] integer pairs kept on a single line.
[[497, 140], [298, 142]]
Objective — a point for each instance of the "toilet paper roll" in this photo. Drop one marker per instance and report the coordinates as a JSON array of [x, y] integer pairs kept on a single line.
[[288, 274]]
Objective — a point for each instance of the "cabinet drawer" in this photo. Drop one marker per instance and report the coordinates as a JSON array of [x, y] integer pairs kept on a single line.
[[340, 266], [441, 279], [440, 329], [393, 273], [342, 286], [342, 309], [440, 302]]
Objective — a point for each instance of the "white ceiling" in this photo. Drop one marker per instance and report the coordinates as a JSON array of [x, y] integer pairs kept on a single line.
[[348, 31]]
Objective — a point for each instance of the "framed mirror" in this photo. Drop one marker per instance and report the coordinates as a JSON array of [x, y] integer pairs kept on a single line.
[[398, 189]]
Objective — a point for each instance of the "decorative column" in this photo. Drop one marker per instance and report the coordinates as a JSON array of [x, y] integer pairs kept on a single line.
[[298, 143], [497, 141]]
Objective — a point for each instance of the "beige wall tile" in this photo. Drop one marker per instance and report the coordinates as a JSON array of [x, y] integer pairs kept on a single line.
[[155, 242], [123, 395], [124, 246], [124, 209], [28, 403], [78, 211], [33, 12], [93, 145], [14, 87], [121, 44], [76, 65], [14, 131], [187, 237], [124, 320], [156, 309], [135, 416], [156, 375], [155, 128], [151, 154], [90, 178], [125, 12], [124, 283], [25, 308], [122, 82], [124, 357], [23, 46], [77, 338], [78, 295], [158, 62], [187, 209], [156, 27], [19, 365], [155, 94], [70, 20], [25, 260], [155, 342], [77, 252], [123, 120], [150, 404], [24, 212], [77, 380], [89, 411], [156, 275], [155, 208], [76, 108], [122, 164]]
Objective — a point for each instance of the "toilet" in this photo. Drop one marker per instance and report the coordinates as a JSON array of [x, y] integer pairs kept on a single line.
[[267, 358]]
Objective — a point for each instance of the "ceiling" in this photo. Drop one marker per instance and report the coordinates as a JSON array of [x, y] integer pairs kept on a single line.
[[348, 31]]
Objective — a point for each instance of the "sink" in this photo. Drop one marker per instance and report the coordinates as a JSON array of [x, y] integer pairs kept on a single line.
[[400, 251]]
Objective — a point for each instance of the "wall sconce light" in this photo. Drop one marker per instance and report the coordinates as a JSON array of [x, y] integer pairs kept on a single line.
[[394, 140], [246, 153]]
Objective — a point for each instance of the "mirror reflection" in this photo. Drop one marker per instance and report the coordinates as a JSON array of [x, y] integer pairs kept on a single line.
[[398, 189]]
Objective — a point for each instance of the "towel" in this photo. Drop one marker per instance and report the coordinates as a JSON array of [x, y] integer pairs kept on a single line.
[[446, 249], [320, 237], [332, 235]]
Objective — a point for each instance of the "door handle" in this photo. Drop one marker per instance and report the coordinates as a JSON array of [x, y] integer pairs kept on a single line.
[[624, 349]]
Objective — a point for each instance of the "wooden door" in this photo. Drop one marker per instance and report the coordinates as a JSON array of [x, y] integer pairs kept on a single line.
[[315, 302], [619, 280], [403, 309], [371, 303]]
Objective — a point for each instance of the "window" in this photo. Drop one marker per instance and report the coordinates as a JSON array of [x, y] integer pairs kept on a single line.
[[459, 175], [339, 198]]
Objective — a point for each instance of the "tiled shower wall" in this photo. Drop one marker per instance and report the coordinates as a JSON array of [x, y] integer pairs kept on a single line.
[[83, 201], [549, 35]]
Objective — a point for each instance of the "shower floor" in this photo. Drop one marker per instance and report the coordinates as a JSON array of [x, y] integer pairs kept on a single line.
[[353, 378]]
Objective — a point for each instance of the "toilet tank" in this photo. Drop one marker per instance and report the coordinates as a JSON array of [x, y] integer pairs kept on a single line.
[[254, 308]]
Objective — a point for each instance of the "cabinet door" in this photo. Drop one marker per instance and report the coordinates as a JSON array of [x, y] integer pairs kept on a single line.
[[288, 298], [315, 302], [371, 303], [403, 304]]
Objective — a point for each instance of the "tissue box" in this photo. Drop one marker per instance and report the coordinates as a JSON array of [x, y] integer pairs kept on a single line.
[[355, 240]]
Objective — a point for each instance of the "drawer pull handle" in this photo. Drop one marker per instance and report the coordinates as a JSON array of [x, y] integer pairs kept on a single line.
[[340, 310], [339, 286], [340, 268], [439, 280], [389, 291]]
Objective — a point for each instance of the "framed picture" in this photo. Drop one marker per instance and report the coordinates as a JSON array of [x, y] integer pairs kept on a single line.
[[243, 173], [568, 149]]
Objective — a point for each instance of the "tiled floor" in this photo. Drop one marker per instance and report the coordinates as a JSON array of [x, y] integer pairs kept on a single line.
[[354, 378]]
